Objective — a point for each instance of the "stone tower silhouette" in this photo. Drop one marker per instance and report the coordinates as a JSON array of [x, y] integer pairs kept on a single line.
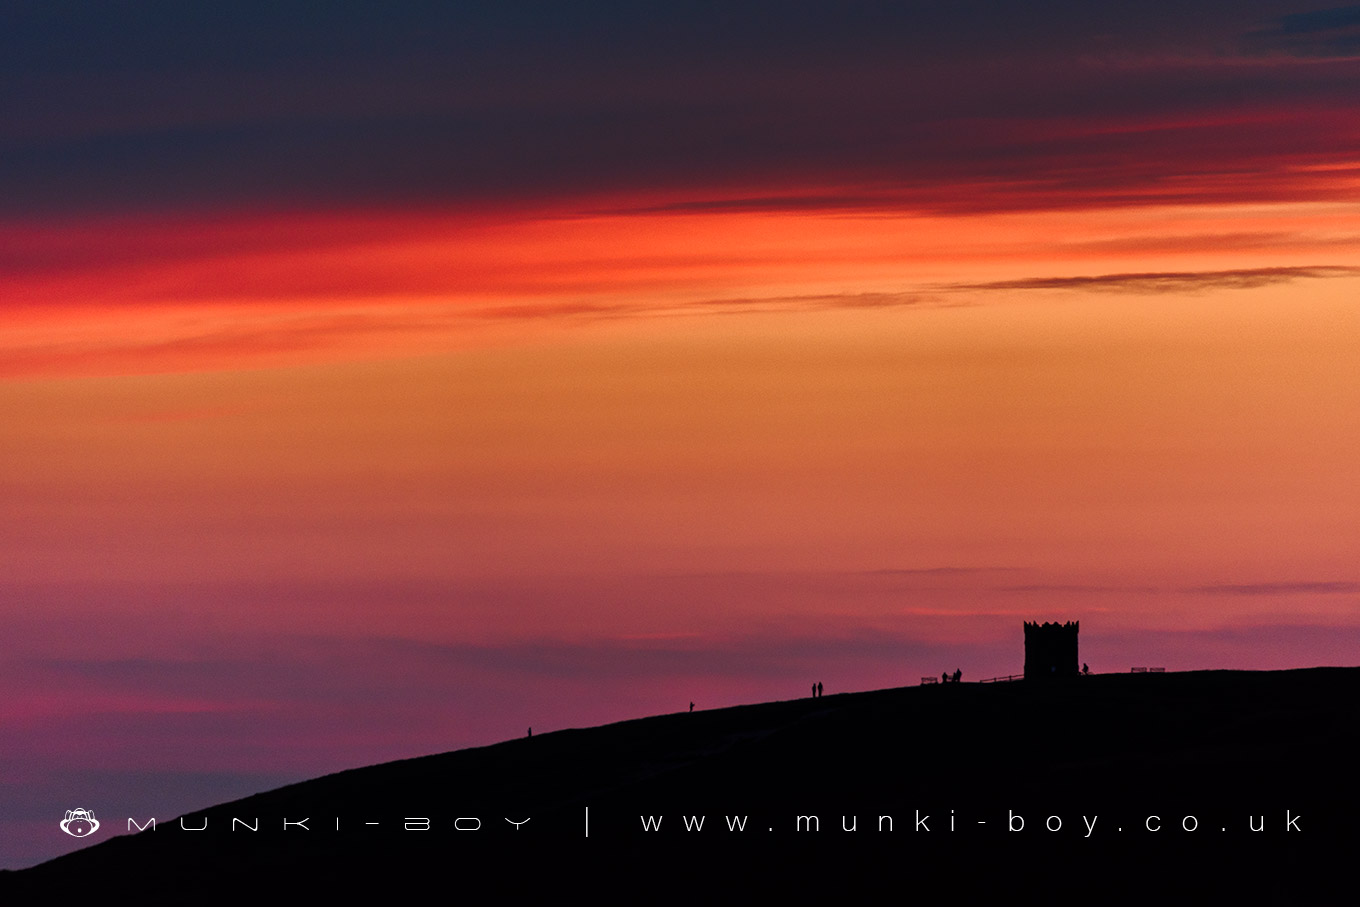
[[1050, 650]]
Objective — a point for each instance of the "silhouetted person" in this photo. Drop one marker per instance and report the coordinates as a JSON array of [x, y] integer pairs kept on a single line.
[[958, 674], [814, 691], [1085, 668], [944, 677], [691, 706], [531, 732], [819, 689]]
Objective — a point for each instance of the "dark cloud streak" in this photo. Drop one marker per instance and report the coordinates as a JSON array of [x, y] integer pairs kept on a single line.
[[1320, 33], [1170, 282], [1294, 588]]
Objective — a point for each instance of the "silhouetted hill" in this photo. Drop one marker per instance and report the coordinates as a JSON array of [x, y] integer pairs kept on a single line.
[[1212, 755]]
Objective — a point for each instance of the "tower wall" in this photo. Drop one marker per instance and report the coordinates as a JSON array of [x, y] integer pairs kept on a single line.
[[1051, 650]]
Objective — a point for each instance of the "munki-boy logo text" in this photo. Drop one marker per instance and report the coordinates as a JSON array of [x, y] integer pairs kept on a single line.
[[79, 823]]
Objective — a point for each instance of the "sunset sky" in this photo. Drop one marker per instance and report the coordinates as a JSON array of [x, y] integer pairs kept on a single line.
[[382, 381]]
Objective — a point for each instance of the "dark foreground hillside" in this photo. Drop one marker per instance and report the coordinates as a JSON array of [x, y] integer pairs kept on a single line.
[[1175, 788]]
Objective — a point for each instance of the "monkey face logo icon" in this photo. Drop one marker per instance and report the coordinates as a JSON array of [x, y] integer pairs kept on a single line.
[[79, 823]]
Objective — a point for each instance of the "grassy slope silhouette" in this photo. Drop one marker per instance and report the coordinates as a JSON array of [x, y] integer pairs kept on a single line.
[[1225, 750]]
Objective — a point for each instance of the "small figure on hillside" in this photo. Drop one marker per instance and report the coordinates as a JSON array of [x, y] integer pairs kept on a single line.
[[531, 732], [691, 706], [1085, 668], [819, 689], [944, 677], [958, 674]]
